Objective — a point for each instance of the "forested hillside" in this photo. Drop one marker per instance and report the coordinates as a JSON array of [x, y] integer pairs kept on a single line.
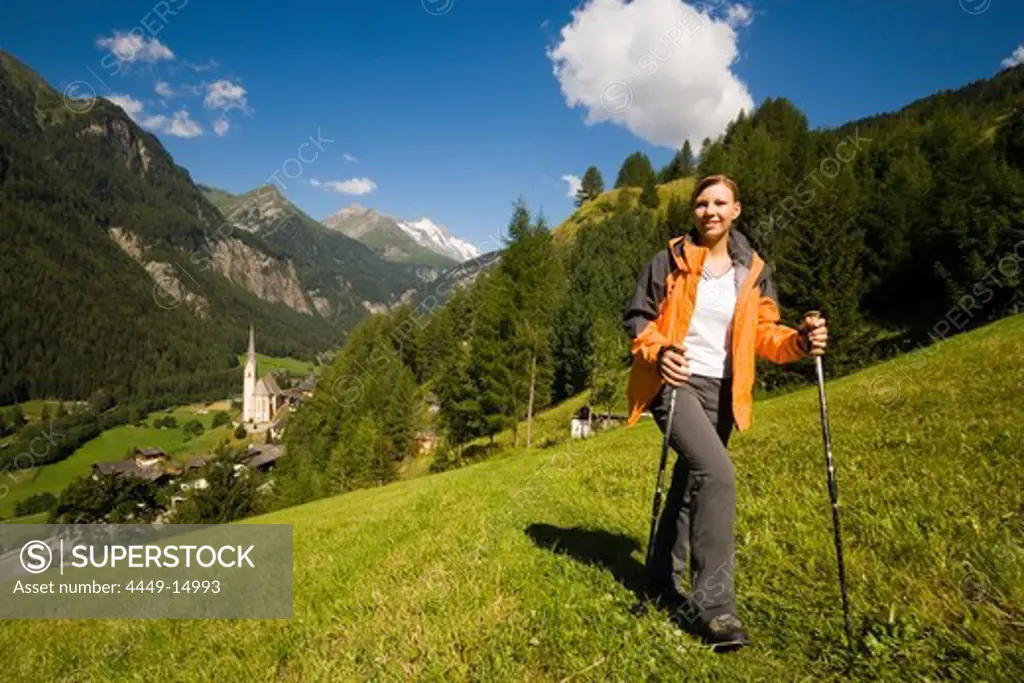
[[903, 229], [78, 312], [118, 273]]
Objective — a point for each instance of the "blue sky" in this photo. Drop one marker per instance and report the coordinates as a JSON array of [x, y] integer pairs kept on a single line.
[[453, 109]]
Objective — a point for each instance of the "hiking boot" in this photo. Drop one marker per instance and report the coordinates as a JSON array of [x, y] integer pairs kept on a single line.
[[724, 633]]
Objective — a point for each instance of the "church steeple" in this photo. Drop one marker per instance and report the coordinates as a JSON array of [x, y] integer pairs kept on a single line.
[[252, 346], [249, 380]]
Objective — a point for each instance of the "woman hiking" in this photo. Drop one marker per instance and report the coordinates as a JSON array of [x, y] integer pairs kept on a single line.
[[702, 310]]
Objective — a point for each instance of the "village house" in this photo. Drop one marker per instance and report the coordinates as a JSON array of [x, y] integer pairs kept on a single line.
[[149, 464], [581, 426], [264, 457]]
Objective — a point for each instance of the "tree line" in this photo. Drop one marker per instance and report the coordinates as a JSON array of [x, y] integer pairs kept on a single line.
[[848, 218], [894, 227]]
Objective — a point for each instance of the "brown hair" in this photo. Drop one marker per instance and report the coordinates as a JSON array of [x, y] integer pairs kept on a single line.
[[708, 181]]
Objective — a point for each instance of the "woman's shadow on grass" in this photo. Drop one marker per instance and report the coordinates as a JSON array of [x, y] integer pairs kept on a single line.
[[614, 552]]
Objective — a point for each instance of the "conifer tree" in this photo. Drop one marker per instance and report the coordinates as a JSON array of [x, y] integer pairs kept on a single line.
[[607, 363], [591, 186], [635, 171], [649, 195], [459, 410], [677, 218], [681, 166], [821, 268], [534, 274]]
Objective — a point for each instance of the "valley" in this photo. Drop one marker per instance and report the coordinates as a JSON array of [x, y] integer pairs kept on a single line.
[[428, 365]]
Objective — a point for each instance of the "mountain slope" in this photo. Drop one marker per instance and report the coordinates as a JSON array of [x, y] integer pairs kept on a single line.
[[112, 270], [417, 242], [604, 205], [524, 567], [436, 292], [342, 277]]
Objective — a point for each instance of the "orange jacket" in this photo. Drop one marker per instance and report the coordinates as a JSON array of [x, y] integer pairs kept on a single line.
[[662, 306]]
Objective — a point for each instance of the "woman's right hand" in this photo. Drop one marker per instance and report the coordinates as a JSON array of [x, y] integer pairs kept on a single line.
[[674, 365]]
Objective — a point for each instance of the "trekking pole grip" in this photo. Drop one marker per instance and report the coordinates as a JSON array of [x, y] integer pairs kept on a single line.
[[816, 353]]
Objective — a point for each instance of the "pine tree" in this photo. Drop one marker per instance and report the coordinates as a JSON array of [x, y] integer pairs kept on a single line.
[[635, 171], [459, 410], [491, 362], [677, 218], [649, 195], [681, 166], [591, 186], [608, 358], [821, 269], [713, 159], [534, 274]]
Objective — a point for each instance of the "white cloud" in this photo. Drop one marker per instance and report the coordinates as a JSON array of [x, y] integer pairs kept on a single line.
[[179, 124], [200, 68], [164, 89], [131, 106], [739, 15], [1014, 59], [660, 68], [574, 185], [155, 123], [221, 126], [348, 157], [128, 47], [223, 94], [350, 186], [183, 126]]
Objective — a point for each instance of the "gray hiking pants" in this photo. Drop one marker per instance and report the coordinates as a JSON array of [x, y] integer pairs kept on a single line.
[[697, 520]]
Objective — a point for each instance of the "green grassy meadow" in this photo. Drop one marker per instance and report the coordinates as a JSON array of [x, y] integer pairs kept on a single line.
[[523, 567], [293, 366], [114, 444]]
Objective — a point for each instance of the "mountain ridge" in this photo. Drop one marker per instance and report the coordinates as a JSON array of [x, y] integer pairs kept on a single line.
[[345, 278], [419, 241]]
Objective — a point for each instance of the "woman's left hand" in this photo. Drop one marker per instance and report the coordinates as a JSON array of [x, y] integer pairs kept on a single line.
[[815, 332]]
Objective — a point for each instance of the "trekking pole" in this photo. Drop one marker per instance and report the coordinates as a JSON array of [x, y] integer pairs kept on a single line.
[[659, 489], [833, 490], [640, 607]]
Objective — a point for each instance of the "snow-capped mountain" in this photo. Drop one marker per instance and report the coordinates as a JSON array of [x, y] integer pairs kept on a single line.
[[421, 242], [436, 237]]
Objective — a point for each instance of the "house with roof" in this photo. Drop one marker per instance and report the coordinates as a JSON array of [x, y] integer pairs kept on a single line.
[[154, 472], [264, 456]]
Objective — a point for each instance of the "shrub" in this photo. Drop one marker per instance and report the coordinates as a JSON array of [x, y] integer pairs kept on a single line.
[[193, 427], [40, 502]]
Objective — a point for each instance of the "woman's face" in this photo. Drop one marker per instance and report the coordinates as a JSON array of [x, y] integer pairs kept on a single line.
[[714, 211]]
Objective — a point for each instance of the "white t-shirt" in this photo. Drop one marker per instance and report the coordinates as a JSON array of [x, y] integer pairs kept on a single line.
[[709, 339]]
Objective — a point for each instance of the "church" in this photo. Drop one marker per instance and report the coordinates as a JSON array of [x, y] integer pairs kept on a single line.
[[261, 399]]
